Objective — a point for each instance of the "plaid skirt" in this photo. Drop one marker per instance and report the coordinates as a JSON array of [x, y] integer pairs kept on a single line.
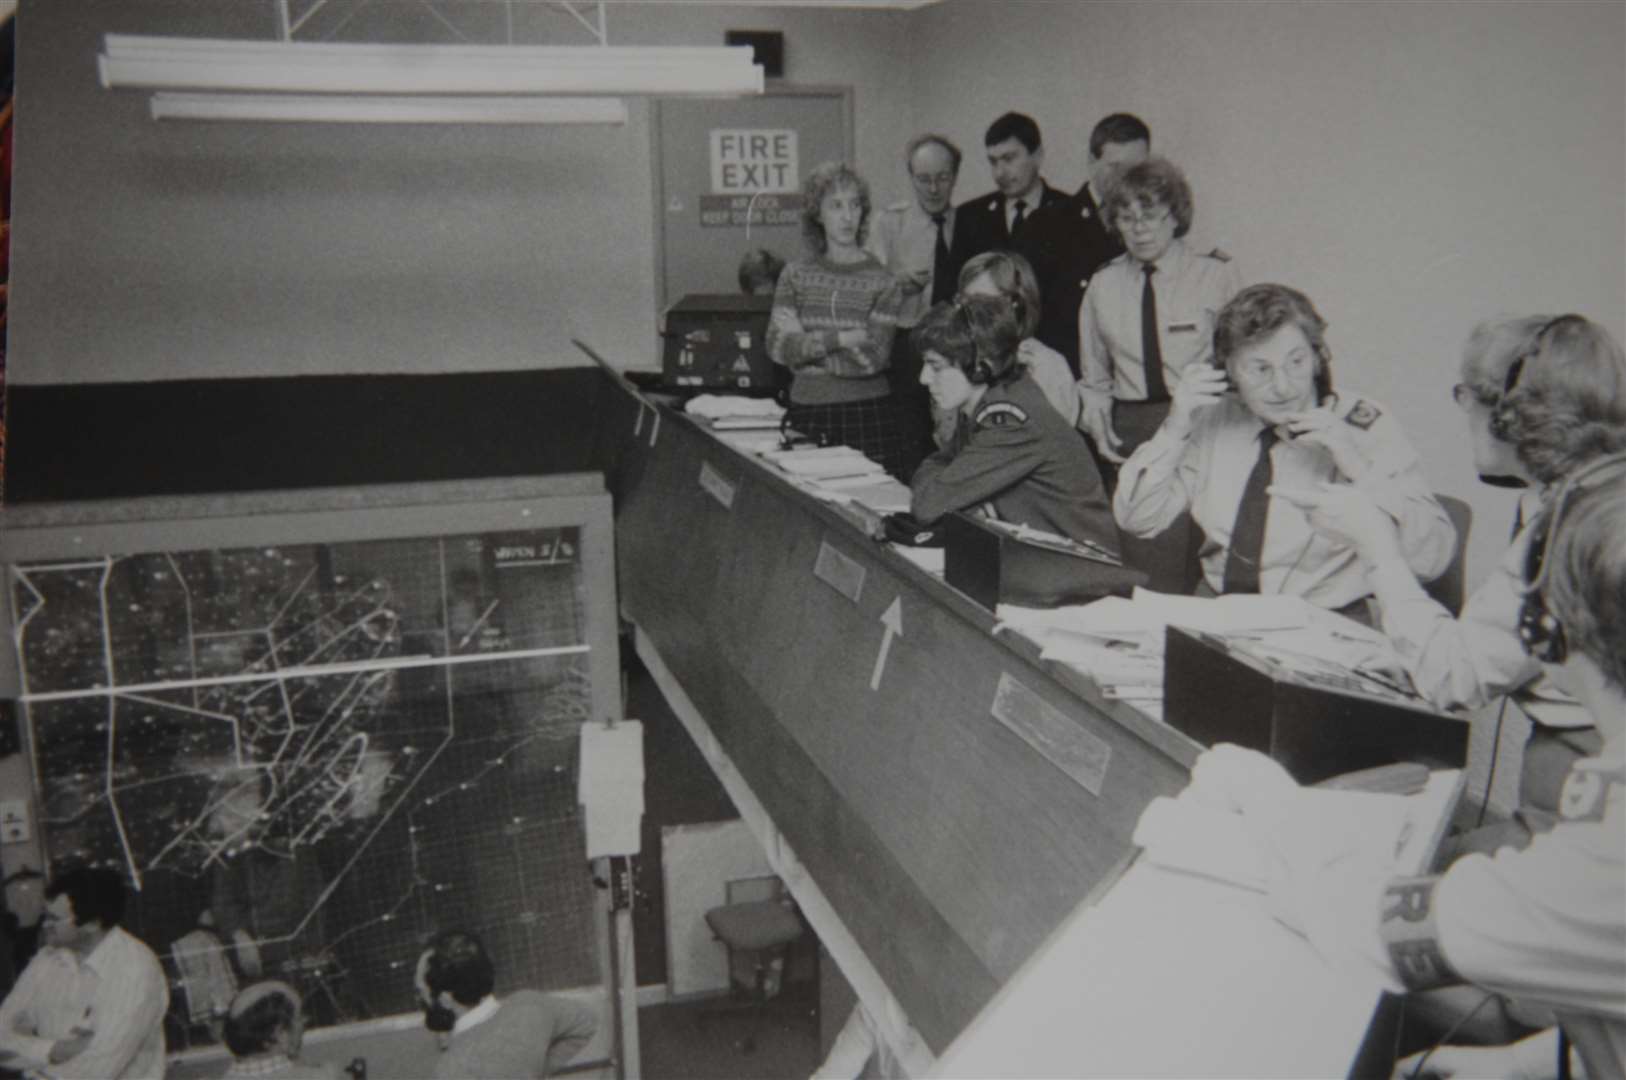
[[872, 426]]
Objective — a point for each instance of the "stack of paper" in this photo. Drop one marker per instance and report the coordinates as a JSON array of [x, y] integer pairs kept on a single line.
[[824, 462], [730, 411]]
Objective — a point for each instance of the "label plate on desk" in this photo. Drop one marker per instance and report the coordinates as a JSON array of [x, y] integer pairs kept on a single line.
[[844, 575], [1053, 733], [716, 486]]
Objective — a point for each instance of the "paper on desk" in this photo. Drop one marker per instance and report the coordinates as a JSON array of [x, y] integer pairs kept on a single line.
[[714, 406], [1114, 664], [751, 442], [928, 559]]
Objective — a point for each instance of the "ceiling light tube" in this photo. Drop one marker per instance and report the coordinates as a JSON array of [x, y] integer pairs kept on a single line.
[[325, 67], [388, 109]]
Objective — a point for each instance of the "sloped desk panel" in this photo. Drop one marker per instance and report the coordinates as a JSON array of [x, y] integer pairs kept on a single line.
[[949, 846]]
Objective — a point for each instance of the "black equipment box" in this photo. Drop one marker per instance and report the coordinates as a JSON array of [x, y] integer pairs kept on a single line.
[[1316, 723], [719, 342], [994, 564]]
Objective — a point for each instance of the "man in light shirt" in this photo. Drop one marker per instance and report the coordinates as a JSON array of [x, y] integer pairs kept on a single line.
[[91, 1004]]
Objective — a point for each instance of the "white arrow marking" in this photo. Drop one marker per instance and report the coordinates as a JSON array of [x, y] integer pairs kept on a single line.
[[892, 618]]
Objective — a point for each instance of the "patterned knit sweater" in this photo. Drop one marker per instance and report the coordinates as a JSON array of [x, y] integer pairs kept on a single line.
[[817, 299]]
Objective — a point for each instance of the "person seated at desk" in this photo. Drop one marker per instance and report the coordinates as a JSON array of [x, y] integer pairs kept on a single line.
[[1012, 452], [1547, 923], [834, 315], [1218, 452], [1007, 274], [264, 1030], [1543, 398], [524, 1036]]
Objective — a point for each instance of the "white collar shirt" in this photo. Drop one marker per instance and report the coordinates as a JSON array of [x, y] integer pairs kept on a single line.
[[903, 237]]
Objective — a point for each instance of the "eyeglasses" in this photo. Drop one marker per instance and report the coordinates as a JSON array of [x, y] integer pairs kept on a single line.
[[1467, 397], [1258, 372], [933, 180], [1125, 222]]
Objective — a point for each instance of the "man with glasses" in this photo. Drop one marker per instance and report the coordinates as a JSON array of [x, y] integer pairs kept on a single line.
[[913, 238], [1266, 424]]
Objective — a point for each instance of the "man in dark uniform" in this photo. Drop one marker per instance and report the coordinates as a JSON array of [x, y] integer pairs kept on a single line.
[[997, 220], [1067, 242], [1012, 454]]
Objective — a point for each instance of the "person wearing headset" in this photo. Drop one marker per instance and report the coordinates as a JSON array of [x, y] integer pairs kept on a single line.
[[1545, 924], [1012, 453], [1218, 453], [1543, 397]]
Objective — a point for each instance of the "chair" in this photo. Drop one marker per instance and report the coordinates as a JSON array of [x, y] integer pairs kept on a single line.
[[757, 934], [1448, 588]]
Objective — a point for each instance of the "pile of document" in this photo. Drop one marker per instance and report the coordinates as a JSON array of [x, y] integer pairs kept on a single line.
[[840, 474], [1118, 642]]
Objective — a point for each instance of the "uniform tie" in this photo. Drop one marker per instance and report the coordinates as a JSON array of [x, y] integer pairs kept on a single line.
[[942, 271], [1248, 536], [1019, 216], [1151, 349]]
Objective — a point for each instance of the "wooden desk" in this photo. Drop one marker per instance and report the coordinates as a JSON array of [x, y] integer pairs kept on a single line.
[[949, 845]]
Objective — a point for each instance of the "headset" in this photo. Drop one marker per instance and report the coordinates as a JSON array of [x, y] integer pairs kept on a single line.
[[1540, 631], [1501, 417], [988, 368]]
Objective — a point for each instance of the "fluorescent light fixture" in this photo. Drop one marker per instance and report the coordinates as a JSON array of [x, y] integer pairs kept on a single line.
[[333, 68], [389, 109]]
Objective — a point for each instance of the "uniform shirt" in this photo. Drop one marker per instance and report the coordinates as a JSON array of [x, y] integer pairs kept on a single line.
[[119, 992], [1047, 368], [1548, 924], [814, 301], [1470, 659], [1207, 471], [904, 238], [1190, 288], [1066, 243], [1016, 454]]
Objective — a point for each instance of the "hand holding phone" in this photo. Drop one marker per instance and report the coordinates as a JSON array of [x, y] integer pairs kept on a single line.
[[1199, 386]]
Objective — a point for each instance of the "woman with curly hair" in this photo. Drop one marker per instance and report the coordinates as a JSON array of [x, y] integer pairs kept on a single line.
[[834, 317], [1543, 397]]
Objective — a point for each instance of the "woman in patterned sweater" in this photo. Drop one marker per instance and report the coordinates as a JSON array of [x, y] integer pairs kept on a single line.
[[834, 315]]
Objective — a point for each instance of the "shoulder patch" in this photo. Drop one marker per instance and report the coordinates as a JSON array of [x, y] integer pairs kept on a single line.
[[1363, 414], [1001, 414], [1221, 254]]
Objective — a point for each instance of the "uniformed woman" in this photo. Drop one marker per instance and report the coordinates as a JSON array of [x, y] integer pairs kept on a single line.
[[1268, 415], [1012, 454]]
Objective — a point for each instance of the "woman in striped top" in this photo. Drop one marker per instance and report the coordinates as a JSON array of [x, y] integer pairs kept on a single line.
[[834, 315]]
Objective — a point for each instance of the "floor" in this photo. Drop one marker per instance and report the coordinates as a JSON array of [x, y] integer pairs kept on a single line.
[[678, 1042]]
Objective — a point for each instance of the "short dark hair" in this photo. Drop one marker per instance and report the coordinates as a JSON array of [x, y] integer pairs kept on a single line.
[[931, 138], [1155, 181], [253, 1028], [1120, 127], [95, 892], [459, 964], [1014, 125], [978, 334], [759, 267], [1258, 311]]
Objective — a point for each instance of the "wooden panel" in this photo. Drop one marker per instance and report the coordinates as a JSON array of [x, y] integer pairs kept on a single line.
[[949, 845]]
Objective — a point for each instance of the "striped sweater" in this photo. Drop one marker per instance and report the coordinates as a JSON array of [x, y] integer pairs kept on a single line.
[[817, 299]]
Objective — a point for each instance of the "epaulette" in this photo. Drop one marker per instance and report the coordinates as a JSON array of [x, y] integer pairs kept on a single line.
[[1221, 254], [900, 206], [1363, 414], [1001, 414]]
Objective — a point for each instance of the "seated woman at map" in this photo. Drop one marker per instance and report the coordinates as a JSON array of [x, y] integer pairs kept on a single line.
[[1543, 397], [1012, 454], [1265, 414], [1545, 925]]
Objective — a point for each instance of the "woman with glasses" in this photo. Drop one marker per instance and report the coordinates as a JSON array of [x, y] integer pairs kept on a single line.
[[1267, 415], [1543, 398], [1011, 451], [1148, 315]]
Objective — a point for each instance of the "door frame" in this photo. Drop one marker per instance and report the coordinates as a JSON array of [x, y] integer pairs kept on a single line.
[[657, 185]]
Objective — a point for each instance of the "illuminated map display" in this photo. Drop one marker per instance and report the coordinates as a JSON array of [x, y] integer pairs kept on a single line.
[[310, 758]]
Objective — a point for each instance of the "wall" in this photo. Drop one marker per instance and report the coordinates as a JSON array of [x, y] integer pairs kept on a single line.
[[1413, 167], [147, 251]]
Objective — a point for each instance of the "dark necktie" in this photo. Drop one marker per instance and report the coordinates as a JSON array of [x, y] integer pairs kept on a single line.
[[1020, 215], [1248, 537], [1151, 349], [942, 272]]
